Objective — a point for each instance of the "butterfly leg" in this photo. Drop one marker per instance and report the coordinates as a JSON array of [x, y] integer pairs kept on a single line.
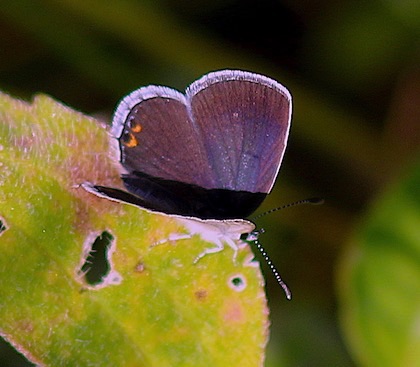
[[219, 247], [231, 243], [172, 238]]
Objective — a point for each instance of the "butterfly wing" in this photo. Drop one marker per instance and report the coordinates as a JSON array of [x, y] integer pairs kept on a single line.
[[156, 137], [245, 119], [228, 132]]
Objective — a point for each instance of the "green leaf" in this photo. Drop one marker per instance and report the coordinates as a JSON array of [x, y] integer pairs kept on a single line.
[[148, 306], [380, 280]]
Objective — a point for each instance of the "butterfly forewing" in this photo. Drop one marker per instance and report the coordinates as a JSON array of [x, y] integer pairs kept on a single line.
[[246, 124]]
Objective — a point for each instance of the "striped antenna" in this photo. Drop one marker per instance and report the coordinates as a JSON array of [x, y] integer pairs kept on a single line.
[[253, 239]]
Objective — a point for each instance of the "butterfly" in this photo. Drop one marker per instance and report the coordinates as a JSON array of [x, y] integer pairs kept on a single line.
[[208, 157]]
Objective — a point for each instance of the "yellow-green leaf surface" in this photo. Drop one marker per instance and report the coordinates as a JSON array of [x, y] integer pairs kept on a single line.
[[380, 280], [153, 307]]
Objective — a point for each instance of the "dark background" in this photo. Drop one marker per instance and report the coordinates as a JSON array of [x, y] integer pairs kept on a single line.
[[351, 66]]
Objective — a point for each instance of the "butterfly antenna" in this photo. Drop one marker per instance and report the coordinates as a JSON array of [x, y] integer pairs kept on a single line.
[[253, 238], [312, 201]]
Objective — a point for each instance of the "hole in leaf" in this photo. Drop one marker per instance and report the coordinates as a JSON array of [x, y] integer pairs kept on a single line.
[[3, 226], [96, 266], [237, 282]]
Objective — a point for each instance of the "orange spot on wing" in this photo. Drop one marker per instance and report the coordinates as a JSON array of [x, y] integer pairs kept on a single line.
[[136, 128], [130, 141]]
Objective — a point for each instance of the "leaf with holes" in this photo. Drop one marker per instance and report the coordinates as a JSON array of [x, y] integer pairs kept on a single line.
[[380, 280], [80, 283]]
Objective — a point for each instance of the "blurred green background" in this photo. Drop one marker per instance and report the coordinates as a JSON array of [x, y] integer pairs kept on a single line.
[[352, 68]]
